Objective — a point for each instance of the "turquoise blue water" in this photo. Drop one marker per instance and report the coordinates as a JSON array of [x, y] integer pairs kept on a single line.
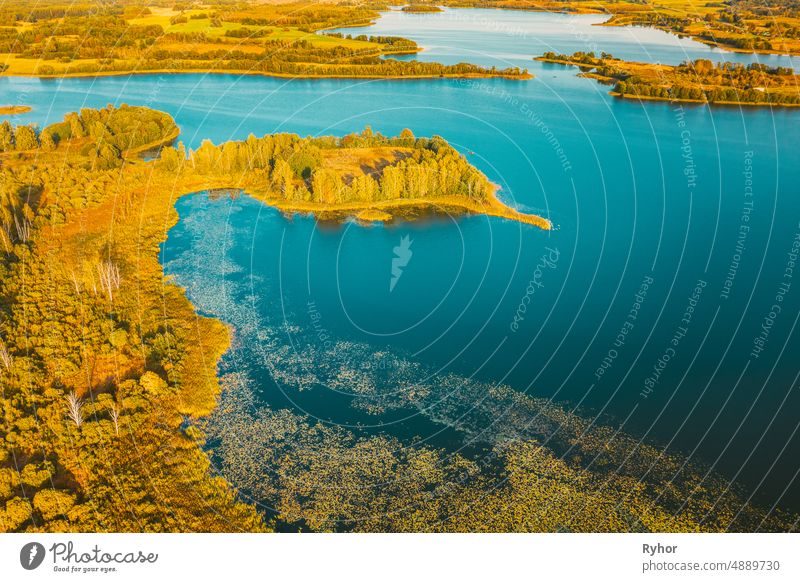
[[650, 305]]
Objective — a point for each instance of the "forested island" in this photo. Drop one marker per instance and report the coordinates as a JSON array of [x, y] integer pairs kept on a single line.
[[60, 39], [698, 81], [14, 109], [107, 368]]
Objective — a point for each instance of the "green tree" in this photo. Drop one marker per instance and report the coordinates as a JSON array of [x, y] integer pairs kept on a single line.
[[48, 142], [105, 156], [392, 183], [364, 188], [305, 161], [76, 128], [25, 138], [282, 178], [6, 137], [326, 186], [169, 159]]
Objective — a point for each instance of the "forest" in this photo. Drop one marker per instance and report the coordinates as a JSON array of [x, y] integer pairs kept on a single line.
[[299, 169], [366, 176], [93, 434], [63, 39], [770, 26], [105, 136], [268, 39], [108, 372], [697, 81]]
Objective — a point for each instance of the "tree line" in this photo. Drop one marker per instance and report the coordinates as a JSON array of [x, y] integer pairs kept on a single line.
[[292, 168], [697, 80], [103, 134], [110, 40], [94, 389], [281, 60]]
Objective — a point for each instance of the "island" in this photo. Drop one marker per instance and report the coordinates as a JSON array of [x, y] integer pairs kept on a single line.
[[698, 81], [14, 109], [58, 39], [751, 26], [421, 8]]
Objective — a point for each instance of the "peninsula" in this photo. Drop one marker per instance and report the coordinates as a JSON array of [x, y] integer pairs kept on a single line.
[[366, 176], [698, 81]]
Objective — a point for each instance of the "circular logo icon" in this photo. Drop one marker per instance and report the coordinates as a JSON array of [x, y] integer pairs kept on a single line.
[[31, 555]]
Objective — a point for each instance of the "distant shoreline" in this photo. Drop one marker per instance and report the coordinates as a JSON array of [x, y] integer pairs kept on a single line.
[[591, 11], [586, 68], [14, 109], [700, 101]]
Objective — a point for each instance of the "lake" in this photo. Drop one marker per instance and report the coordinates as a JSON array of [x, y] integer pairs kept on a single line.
[[663, 303]]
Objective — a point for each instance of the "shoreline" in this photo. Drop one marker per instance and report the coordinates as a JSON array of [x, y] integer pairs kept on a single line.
[[671, 100], [699, 39], [381, 211], [701, 102], [574, 10], [589, 11], [400, 209], [586, 74], [100, 74]]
